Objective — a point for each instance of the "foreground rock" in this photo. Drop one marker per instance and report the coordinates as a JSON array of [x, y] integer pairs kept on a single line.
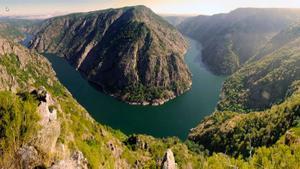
[[77, 161], [45, 140], [130, 53], [169, 161]]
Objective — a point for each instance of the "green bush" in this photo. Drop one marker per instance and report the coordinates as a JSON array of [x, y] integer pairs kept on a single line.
[[18, 123]]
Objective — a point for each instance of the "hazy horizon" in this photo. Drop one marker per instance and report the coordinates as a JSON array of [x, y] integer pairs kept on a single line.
[[167, 7]]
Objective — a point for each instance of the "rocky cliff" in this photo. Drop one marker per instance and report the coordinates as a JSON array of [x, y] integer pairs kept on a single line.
[[130, 53]]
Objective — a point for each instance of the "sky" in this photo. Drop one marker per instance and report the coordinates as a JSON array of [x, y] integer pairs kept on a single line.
[[180, 7]]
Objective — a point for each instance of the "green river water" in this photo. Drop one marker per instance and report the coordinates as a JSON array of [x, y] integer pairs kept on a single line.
[[174, 118]]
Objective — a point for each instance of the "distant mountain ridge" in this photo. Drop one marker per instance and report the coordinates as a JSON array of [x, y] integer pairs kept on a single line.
[[131, 53], [260, 103], [175, 20], [230, 39], [14, 29], [265, 79]]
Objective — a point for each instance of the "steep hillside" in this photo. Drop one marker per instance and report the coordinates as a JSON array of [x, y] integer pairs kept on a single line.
[[242, 133], [6, 30], [42, 126], [259, 103], [278, 41], [131, 53], [176, 19], [229, 40], [265, 80], [15, 28]]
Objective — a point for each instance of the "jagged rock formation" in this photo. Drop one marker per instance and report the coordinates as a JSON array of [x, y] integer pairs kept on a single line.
[[77, 161], [130, 53], [45, 141], [230, 39], [169, 161], [12, 55], [46, 138]]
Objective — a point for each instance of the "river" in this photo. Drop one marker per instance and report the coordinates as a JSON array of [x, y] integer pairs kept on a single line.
[[174, 118]]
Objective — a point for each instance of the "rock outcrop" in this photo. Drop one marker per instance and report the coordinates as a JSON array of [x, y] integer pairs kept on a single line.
[[130, 53], [12, 55], [48, 135], [169, 160], [77, 161], [31, 155]]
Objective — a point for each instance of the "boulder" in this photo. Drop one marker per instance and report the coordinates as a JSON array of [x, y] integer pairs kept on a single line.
[[77, 161], [169, 160], [29, 157]]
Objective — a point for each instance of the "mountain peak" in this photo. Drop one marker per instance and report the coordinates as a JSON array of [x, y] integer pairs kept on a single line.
[[131, 53]]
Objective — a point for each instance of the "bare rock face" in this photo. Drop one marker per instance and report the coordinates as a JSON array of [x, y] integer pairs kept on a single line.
[[29, 157], [77, 161], [47, 113], [169, 161], [14, 54], [8, 82], [45, 140], [8, 47], [48, 135], [130, 53]]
